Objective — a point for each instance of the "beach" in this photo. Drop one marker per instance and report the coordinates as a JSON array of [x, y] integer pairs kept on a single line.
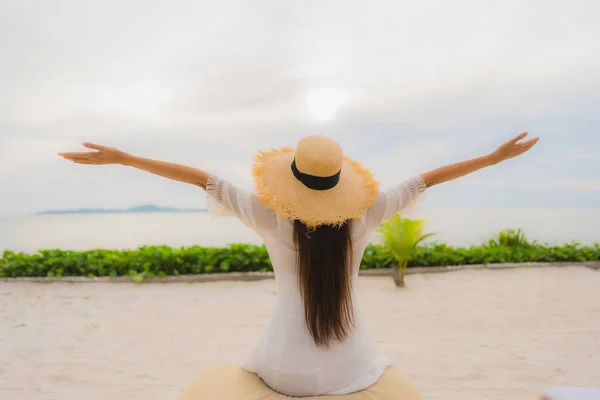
[[470, 334]]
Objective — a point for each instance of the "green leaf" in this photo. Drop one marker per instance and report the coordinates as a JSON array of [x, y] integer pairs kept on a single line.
[[224, 265]]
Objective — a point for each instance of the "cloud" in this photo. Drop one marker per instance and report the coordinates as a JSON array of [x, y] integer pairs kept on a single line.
[[568, 158], [575, 184], [16, 153], [209, 83]]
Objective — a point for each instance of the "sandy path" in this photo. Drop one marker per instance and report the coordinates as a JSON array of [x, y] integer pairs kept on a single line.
[[490, 335]]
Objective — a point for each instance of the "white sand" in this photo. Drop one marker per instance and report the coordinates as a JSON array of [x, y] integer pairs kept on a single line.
[[466, 335]]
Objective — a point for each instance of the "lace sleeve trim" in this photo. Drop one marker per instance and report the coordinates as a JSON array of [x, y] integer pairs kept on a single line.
[[215, 197], [225, 200], [407, 195], [416, 187]]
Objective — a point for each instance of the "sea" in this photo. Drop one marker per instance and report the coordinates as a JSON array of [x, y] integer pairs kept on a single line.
[[30, 233]]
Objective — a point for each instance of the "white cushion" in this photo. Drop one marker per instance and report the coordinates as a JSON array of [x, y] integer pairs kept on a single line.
[[572, 393]]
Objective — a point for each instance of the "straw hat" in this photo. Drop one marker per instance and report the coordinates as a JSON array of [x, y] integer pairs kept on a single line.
[[315, 183]]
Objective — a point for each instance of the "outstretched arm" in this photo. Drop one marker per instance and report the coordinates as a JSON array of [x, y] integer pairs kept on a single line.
[[508, 150], [104, 155]]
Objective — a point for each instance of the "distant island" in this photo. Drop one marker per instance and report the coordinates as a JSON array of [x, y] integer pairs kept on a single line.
[[149, 208]]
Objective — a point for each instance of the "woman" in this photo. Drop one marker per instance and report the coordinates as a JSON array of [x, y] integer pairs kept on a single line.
[[315, 210]]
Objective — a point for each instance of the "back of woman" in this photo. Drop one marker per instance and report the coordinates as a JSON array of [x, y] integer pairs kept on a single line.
[[316, 341]]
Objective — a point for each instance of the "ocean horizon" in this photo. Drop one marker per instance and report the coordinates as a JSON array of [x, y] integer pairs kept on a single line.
[[145, 208], [30, 233]]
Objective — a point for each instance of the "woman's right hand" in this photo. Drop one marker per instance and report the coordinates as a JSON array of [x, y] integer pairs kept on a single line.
[[513, 147], [102, 156], [510, 149]]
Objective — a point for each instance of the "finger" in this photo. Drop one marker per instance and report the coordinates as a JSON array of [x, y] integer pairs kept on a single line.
[[96, 146], [528, 143], [77, 154], [76, 159], [526, 148], [518, 137], [82, 162], [531, 142], [74, 156]]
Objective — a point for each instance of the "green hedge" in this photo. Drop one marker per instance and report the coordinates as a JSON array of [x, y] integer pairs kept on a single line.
[[163, 261]]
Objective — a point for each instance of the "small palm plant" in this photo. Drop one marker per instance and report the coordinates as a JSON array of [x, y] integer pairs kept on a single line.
[[401, 236]]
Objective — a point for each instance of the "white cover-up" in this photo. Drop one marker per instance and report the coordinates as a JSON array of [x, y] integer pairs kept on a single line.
[[287, 358]]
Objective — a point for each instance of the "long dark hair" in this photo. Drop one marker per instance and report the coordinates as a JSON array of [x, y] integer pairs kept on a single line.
[[324, 259]]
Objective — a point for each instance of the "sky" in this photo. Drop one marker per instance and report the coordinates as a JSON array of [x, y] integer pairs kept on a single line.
[[209, 83]]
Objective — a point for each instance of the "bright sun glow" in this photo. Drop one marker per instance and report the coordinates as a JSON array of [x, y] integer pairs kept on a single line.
[[323, 103]]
